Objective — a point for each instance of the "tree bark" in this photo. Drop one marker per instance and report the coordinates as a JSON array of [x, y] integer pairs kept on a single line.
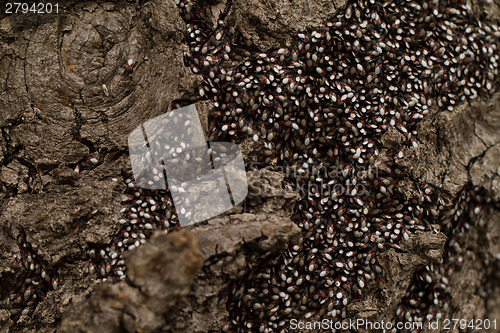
[[67, 99]]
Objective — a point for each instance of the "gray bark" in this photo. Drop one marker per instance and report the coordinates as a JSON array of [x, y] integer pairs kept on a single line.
[[56, 113]]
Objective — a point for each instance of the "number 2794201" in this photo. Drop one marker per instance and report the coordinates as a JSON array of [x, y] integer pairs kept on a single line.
[[35, 8]]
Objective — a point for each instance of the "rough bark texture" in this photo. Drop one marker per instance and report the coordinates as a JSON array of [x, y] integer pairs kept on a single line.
[[274, 24], [65, 97]]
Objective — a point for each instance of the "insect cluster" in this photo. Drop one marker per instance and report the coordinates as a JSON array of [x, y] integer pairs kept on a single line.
[[34, 282], [148, 203], [429, 295], [144, 212], [323, 104]]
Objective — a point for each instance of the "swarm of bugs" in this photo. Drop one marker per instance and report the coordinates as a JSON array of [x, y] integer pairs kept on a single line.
[[325, 102]]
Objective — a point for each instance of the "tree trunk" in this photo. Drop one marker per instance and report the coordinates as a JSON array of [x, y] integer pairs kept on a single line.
[[77, 82]]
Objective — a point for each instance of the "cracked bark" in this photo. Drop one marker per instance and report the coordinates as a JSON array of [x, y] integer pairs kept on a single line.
[[54, 112]]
